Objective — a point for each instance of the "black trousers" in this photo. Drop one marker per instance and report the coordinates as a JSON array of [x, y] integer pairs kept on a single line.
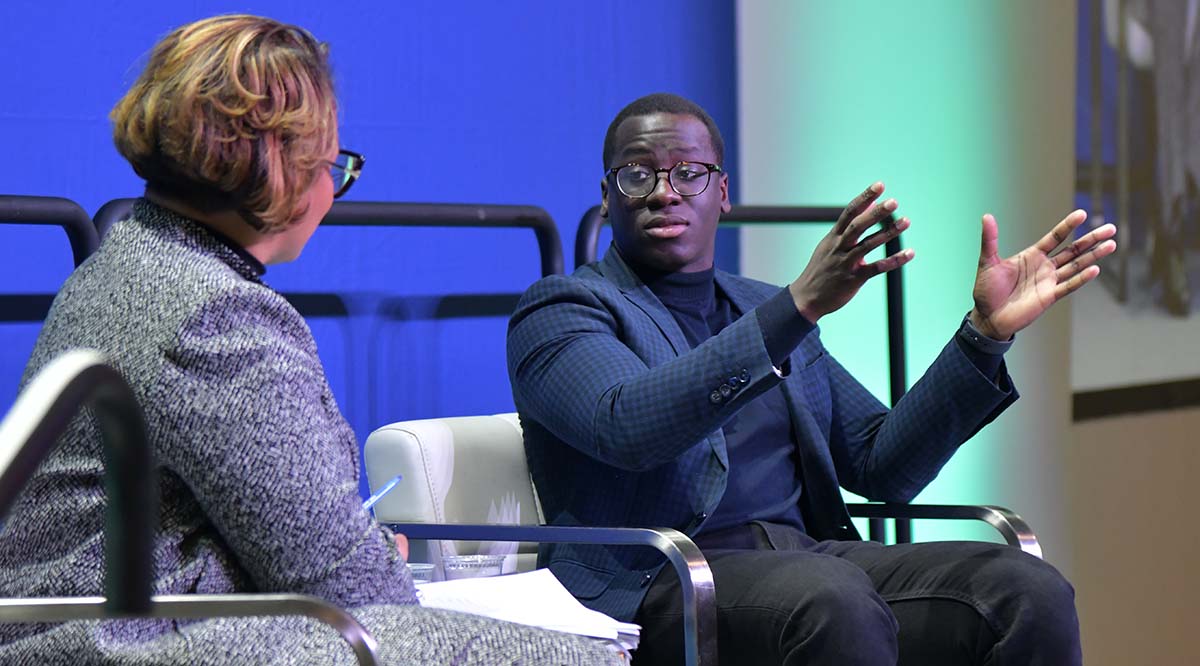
[[793, 600]]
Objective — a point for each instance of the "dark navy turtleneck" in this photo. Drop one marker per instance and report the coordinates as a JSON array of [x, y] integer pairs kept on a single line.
[[764, 479]]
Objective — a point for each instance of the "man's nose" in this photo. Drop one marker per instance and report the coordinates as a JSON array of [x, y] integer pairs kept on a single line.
[[662, 194]]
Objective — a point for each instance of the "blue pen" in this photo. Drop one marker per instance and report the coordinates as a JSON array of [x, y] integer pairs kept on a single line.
[[382, 491]]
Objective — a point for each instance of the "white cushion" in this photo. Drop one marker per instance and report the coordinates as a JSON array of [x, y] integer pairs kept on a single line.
[[468, 469]]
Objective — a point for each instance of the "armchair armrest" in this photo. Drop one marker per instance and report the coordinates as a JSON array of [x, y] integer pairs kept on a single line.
[[27, 435], [699, 600], [199, 606], [1012, 527]]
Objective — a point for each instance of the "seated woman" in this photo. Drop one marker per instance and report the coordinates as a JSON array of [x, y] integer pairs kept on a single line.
[[233, 126]]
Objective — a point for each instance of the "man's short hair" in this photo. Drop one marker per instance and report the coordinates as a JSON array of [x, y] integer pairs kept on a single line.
[[232, 112], [662, 103]]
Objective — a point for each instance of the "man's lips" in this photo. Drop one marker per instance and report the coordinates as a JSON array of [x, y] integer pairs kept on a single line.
[[666, 227]]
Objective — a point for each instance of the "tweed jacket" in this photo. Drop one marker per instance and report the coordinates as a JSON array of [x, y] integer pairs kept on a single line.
[[622, 420], [257, 470]]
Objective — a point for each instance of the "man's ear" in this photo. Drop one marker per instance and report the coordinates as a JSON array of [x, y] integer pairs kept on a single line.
[[726, 206], [604, 196]]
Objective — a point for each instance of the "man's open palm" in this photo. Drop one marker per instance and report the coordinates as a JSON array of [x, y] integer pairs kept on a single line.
[[1011, 293]]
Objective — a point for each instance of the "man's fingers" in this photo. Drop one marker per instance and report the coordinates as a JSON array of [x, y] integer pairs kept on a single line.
[[865, 220], [890, 230], [1084, 244], [887, 265], [857, 206], [989, 240], [1081, 262], [1064, 288], [1061, 231]]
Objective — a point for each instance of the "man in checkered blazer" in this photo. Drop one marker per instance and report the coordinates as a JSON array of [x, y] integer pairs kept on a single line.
[[657, 391]]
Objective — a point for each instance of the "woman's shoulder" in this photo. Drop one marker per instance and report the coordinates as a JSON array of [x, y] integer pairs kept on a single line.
[[176, 269], [147, 291]]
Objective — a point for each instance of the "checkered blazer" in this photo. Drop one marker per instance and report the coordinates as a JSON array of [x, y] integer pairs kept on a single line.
[[623, 420]]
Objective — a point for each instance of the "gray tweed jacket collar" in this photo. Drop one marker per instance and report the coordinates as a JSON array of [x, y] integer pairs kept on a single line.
[[176, 228]]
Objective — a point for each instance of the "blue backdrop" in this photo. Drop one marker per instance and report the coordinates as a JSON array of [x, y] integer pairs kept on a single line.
[[477, 102]]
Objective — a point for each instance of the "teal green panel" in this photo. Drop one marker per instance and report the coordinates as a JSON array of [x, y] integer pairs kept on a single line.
[[837, 95]]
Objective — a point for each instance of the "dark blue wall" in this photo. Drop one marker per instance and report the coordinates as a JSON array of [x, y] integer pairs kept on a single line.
[[480, 102]]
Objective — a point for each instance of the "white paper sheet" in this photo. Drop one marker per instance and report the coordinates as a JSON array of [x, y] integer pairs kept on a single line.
[[535, 598]]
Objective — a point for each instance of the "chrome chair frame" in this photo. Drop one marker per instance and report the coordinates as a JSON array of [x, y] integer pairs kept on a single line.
[[28, 434], [695, 577], [1012, 527], [696, 581]]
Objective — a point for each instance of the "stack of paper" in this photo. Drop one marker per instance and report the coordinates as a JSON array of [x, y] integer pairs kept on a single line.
[[535, 598]]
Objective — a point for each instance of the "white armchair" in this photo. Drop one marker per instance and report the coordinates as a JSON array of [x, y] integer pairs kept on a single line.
[[457, 469]]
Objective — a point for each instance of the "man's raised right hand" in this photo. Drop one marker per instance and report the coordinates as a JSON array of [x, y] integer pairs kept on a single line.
[[837, 268]]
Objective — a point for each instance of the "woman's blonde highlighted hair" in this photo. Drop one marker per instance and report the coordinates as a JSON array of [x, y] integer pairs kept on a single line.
[[232, 113]]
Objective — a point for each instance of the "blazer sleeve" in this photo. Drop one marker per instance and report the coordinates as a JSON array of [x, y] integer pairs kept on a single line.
[[892, 456], [573, 372], [253, 430]]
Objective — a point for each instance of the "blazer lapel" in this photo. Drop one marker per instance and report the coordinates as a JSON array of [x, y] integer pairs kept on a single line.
[[737, 291], [618, 272], [614, 269]]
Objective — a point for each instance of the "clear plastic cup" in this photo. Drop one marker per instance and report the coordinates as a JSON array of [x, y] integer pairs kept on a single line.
[[421, 572], [472, 566]]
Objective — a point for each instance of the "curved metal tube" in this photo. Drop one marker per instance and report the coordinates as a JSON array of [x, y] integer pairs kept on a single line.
[[198, 607], [588, 234], [1013, 528], [31, 430], [695, 577], [396, 214], [53, 211], [110, 213]]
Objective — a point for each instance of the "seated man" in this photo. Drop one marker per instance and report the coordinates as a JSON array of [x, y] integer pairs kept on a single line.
[[655, 390]]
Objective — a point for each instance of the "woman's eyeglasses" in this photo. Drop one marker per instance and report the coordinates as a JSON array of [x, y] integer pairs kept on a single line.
[[345, 170]]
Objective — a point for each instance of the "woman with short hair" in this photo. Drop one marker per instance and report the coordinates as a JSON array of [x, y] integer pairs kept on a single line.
[[233, 126]]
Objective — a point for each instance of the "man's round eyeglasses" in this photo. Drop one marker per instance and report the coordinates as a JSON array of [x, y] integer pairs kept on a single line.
[[687, 178], [345, 170]]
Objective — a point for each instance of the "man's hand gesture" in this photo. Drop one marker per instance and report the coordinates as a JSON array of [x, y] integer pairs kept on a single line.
[[838, 267], [1011, 293]]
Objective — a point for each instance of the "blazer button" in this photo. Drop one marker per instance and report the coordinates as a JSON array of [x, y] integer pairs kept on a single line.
[[646, 578], [725, 390], [744, 377], [734, 383], [715, 397]]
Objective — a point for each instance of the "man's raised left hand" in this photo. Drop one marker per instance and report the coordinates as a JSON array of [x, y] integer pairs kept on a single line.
[[1011, 293]]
